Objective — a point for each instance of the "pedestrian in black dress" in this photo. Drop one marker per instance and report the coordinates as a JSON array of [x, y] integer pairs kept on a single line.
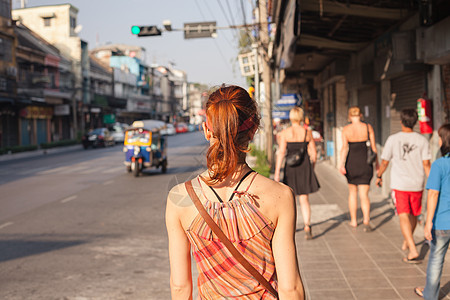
[[353, 164], [301, 179]]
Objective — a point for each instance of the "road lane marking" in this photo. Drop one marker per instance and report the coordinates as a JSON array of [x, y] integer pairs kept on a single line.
[[75, 169], [31, 171], [113, 170], [92, 170], [54, 170], [108, 182], [6, 225], [68, 199]]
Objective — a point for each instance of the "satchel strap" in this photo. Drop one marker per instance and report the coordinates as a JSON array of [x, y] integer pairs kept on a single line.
[[227, 243], [368, 136]]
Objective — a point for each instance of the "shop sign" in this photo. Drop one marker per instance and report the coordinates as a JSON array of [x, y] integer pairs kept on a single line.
[[289, 100], [62, 110], [36, 112], [109, 119], [280, 114]]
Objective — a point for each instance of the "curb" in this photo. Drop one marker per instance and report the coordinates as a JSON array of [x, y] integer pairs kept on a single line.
[[35, 153]]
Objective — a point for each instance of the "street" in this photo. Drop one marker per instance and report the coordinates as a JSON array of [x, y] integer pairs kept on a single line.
[[77, 226]]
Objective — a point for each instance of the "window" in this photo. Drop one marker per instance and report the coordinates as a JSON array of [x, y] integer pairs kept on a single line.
[[5, 9], [73, 22], [47, 22], [6, 47]]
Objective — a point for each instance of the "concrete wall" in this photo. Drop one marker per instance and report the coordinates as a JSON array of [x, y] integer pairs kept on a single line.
[[59, 33]]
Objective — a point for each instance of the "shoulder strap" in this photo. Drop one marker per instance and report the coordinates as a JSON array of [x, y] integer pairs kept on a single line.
[[239, 183], [368, 136], [227, 243], [215, 193], [237, 186], [306, 133]]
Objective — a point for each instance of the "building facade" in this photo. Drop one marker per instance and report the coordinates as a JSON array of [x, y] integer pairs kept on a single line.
[[58, 25], [8, 76]]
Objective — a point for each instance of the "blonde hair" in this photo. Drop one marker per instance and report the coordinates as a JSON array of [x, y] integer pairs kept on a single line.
[[296, 114], [354, 111]]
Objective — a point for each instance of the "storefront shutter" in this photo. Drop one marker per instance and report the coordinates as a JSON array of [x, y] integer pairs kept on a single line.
[[407, 88]]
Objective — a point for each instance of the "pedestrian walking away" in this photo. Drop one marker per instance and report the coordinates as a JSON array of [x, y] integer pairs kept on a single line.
[[410, 155], [355, 167], [239, 225], [437, 224], [296, 143]]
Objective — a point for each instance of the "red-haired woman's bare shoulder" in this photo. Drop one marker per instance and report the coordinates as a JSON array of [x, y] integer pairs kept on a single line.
[[179, 197], [272, 188]]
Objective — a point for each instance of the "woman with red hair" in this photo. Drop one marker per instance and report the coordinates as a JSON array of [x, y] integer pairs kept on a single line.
[[230, 208]]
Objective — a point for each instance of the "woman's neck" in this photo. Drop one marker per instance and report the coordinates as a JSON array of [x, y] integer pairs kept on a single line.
[[235, 176], [355, 120]]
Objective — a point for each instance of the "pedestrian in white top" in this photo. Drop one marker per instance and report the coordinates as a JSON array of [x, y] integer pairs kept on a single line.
[[410, 155]]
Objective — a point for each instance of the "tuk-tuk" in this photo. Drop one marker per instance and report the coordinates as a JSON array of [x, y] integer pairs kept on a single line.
[[145, 146]]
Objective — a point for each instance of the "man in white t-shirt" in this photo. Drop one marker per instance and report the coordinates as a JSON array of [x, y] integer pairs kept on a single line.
[[410, 154]]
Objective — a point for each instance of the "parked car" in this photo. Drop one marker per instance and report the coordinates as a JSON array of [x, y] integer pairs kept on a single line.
[[118, 132], [169, 130], [181, 127], [193, 127], [99, 137]]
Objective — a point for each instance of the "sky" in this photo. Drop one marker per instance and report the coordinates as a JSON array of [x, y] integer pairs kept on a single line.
[[210, 61]]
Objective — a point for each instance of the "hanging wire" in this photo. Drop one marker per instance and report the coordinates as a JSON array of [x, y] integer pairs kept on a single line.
[[214, 17], [231, 13], [215, 42]]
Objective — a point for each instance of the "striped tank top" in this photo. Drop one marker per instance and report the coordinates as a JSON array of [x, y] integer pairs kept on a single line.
[[221, 276]]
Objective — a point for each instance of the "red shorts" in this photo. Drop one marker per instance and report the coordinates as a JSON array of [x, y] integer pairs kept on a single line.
[[408, 202]]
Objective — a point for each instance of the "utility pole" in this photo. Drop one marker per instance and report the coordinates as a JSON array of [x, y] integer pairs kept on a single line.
[[266, 78]]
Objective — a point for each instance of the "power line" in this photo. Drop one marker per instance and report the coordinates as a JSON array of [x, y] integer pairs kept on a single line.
[[231, 13], [215, 42], [223, 11], [247, 30], [243, 12], [200, 10], [212, 14]]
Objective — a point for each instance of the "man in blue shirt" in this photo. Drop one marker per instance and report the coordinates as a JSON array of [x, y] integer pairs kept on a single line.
[[437, 225]]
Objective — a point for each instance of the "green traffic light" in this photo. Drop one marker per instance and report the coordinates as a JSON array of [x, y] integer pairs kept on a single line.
[[135, 29]]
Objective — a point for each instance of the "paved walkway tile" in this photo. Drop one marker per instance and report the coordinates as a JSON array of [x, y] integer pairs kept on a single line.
[[332, 294], [376, 293], [346, 263]]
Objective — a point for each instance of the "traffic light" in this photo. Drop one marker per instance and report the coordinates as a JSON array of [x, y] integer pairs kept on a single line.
[[145, 30]]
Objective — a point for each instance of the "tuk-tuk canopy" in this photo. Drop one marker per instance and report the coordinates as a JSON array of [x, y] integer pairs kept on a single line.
[[151, 125]]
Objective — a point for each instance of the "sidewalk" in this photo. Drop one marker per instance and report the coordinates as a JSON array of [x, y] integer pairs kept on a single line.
[[40, 152], [346, 263]]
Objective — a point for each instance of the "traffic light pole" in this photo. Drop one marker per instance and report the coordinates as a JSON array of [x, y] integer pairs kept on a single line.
[[153, 30]]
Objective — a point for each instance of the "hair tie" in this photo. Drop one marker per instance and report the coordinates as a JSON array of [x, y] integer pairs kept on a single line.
[[246, 125]]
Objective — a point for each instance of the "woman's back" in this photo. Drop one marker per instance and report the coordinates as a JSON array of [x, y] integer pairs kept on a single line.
[[220, 274], [249, 220], [356, 132], [295, 133]]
